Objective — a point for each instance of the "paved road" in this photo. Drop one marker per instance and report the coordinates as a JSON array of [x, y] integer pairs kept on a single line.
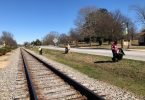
[[136, 55]]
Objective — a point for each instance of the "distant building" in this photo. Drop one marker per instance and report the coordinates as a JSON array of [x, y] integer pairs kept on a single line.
[[142, 38]]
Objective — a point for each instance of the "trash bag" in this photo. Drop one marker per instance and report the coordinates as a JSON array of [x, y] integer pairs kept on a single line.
[[120, 54], [66, 50]]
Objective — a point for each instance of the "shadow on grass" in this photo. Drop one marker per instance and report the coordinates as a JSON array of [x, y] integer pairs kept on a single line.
[[103, 62], [64, 53]]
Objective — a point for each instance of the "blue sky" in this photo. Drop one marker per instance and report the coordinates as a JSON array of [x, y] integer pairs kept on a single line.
[[28, 20]]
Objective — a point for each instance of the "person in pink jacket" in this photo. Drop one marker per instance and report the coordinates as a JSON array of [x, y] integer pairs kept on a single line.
[[115, 51]]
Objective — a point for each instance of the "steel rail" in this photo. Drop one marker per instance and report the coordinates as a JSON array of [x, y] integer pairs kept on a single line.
[[32, 92], [82, 89]]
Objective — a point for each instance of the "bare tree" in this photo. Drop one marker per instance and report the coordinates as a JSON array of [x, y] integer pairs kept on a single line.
[[1, 42], [75, 35], [48, 39], [99, 23], [116, 30], [83, 21], [102, 24], [8, 39], [83, 13], [122, 25], [63, 38], [140, 11], [132, 33]]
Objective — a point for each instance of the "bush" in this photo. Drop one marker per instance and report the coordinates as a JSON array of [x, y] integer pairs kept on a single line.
[[2, 51], [7, 48]]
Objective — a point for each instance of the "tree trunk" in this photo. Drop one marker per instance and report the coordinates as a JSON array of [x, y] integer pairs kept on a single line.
[[90, 41], [76, 43], [122, 40]]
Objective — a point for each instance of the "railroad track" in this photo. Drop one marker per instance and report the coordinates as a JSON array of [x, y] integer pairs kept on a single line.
[[46, 83]]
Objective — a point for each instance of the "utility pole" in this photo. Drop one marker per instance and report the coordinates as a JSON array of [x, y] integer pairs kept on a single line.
[[122, 40], [128, 38], [124, 33]]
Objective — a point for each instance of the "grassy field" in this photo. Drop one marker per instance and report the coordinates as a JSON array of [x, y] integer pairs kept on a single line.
[[127, 74]]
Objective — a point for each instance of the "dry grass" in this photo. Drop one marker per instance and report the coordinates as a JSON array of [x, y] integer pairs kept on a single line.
[[4, 60], [127, 74]]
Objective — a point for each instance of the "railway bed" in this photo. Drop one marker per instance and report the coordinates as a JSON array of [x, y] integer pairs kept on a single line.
[[47, 83]]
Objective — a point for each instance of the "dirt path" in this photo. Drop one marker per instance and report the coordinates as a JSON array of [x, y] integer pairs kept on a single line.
[[4, 60]]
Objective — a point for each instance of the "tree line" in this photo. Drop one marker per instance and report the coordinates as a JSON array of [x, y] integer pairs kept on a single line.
[[97, 25]]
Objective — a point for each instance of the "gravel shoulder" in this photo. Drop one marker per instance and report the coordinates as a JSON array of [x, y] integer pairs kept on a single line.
[[8, 76], [4, 60]]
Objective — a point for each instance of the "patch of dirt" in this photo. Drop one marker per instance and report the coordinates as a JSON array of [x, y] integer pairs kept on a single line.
[[4, 60]]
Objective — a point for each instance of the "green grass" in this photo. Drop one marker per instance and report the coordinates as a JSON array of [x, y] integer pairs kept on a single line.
[[127, 74]]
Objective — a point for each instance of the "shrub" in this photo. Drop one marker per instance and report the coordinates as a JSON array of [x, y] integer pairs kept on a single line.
[[7, 48], [2, 51]]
